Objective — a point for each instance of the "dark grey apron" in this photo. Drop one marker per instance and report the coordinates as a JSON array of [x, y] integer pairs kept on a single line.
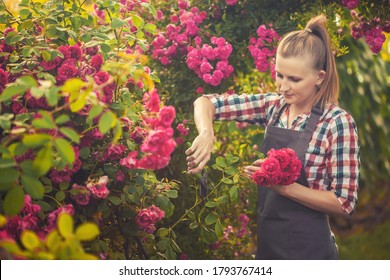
[[287, 229]]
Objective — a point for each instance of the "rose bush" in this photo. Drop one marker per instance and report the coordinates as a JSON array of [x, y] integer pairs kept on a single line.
[[95, 118]]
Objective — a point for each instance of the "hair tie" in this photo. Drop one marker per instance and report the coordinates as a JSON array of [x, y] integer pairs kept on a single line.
[[308, 30]]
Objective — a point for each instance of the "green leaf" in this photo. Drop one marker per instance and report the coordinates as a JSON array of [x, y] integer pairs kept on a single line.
[[151, 8], [3, 221], [24, 13], [44, 160], [220, 161], [60, 196], [46, 55], [106, 122], [36, 140], [30, 240], [62, 119], [211, 204], [64, 148], [210, 219], [5, 121], [233, 193], [11, 91], [64, 186], [94, 112], [227, 181], [162, 232], [87, 232], [222, 199], [115, 200], [8, 176], [6, 163], [218, 229], [70, 134], [73, 85], [44, 122], [13, 201], [33, 186], [27, 81], [193, 225], [137, 21], [172, 194], [53, 240], [207, 235], [117, 23], [151, 28], [170, 253], [175, 246], [65, 225], [52, 96], [165, 204]]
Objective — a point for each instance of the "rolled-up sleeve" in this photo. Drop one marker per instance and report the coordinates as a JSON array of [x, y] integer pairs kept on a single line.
[[344, 163], [252, 108]]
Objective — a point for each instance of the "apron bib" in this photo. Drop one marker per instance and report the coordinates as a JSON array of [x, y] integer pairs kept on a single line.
[[285, 228]]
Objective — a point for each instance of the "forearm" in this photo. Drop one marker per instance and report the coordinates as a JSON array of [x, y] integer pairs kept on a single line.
[[204, 112], [322, 201], [200, 150]]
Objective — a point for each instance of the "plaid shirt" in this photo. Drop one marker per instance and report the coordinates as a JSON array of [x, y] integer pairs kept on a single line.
[[332, 158]]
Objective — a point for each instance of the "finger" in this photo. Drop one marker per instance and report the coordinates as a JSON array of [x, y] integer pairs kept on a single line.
[[199, 162], [258, 162], [252, 168]]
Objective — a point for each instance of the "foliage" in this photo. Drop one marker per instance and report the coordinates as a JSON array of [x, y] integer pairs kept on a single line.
[[94, 110], [63, 243]]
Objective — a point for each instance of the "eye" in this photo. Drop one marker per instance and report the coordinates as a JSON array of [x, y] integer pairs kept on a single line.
[[279, 75], [295, 80]]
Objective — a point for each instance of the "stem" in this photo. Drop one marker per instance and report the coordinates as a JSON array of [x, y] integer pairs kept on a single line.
[[81, 5], [196, 204], [8, 12], [115, 32]]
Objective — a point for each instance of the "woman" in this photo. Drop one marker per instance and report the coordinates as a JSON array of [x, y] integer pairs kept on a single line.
[[293, 220]]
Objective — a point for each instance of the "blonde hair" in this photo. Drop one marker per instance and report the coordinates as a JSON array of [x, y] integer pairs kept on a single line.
[[314, 40]]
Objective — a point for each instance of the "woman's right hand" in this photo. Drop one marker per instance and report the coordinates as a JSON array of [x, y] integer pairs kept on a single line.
[[199, 153]]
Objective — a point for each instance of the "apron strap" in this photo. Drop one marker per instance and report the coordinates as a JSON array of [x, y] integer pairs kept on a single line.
[[304, 139]]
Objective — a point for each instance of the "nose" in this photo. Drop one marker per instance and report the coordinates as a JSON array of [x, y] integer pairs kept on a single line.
[[284, 86]]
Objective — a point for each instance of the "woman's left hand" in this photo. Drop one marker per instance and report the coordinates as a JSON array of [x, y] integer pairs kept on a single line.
[[251, 169]]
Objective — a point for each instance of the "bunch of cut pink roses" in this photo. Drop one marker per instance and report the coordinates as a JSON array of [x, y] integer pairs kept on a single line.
[[280, 167]]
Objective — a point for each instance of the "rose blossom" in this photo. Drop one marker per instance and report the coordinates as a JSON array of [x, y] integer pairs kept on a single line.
[[261, 178], [130, 161], [80, 194], [286, 173], [99, 189], [52, 217], [146, 218], [97, 61], [167, 115]]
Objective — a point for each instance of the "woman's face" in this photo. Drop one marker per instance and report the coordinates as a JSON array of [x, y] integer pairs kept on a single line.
[[297, 79]]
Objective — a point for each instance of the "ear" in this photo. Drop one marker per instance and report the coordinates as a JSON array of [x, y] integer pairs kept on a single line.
[[320, 77]]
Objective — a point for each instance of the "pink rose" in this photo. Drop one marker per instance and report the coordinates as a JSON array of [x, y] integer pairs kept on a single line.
[[261, 178], [270, 165], [52, 217], [130, 161], [80, 194], [167, 115], [99, 189], [97, 61], [146, 218]]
